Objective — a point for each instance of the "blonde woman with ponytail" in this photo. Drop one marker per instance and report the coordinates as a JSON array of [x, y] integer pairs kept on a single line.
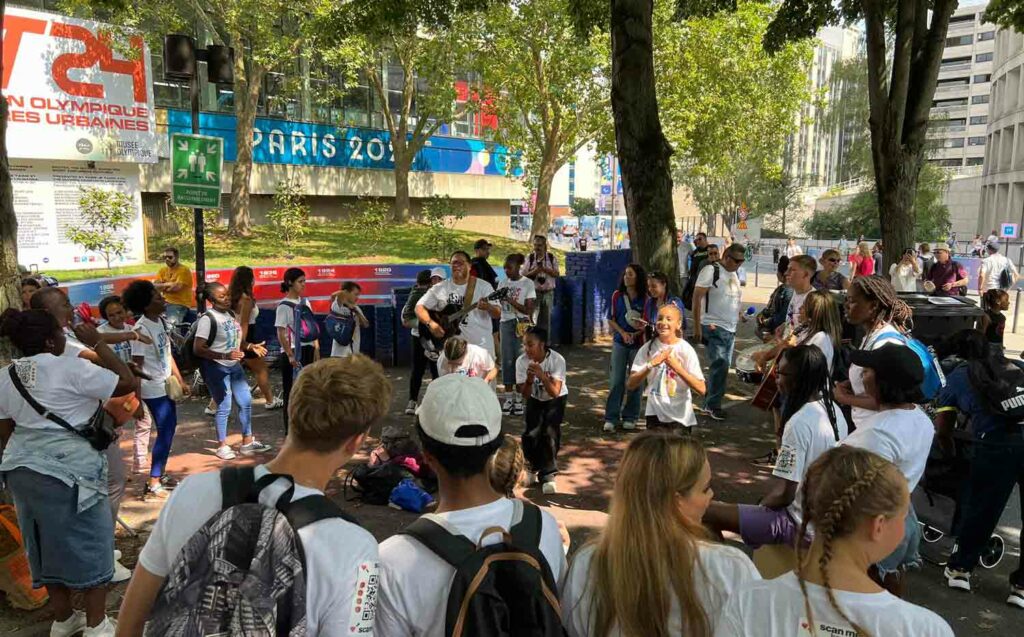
[[653, 572], [857, 502]]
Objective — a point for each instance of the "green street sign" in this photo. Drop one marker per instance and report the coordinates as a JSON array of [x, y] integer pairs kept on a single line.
[[196, 163]]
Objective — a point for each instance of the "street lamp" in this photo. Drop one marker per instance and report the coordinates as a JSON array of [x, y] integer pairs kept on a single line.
[[181, 58]]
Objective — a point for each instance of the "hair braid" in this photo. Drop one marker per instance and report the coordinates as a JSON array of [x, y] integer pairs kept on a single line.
[[799, 540], [893, 309]]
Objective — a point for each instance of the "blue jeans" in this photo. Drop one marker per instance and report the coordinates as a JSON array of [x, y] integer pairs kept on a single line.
[[226, 383], [622, 361], [165, 418], [511, 348], [718, 344]]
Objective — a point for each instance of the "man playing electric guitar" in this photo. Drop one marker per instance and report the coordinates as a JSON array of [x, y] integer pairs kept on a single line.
[[451, 294]]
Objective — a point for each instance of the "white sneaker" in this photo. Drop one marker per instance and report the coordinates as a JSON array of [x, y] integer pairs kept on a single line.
[[225, 453], [70, 626], [254, 447], [960, 580], [277, 403], [106, 628], [121, 572], [549, 488], [506, 407], [410, 408], [517, 408], [117, 554], [629, 425], [1016, 597], [609, 427], [210, 412]]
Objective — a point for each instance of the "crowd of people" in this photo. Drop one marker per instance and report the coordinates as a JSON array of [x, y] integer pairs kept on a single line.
[[852, 444]]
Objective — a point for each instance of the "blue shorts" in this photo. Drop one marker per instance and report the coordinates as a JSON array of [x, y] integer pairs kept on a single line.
[[906, 554], [63, 546]]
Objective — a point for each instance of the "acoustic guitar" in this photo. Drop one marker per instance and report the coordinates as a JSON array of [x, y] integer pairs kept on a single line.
[[450, 318], [768, 391]]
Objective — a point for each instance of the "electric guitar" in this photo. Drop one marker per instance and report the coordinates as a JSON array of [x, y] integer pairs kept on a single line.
[[450, 318]]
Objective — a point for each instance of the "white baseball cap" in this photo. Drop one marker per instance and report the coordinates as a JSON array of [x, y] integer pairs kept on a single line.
[[438, 272], [460, 411]]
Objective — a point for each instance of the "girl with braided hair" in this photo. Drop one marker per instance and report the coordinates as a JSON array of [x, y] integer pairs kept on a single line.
[[857, 502], [873, 305]]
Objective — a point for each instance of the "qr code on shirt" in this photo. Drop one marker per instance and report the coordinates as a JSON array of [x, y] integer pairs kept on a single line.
[[786, 463], [364, 604]]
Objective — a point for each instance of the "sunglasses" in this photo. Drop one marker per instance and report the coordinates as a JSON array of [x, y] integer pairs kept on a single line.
[[832, 260], [168, 257]]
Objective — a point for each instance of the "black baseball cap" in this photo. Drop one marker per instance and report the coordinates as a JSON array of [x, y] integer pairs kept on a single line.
[[482, 243], [893, 364]]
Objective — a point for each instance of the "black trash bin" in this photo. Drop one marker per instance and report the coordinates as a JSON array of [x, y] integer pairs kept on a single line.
[[936, 318]]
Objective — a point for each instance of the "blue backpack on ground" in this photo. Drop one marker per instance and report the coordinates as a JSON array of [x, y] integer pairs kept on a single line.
[[341, 328], [934, 379], [306, 327]]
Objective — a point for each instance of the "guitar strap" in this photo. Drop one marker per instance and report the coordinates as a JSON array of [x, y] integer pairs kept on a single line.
[[467, 301]]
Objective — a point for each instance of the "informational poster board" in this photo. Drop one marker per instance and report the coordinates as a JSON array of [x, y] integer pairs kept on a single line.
[[46, 195]]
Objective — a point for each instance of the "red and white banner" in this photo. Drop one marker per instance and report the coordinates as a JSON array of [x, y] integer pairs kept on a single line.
[[73, 93]]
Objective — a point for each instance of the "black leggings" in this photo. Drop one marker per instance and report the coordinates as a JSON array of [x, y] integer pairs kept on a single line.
[[655, 424], [420, 363], [288, 377], [543, 436]]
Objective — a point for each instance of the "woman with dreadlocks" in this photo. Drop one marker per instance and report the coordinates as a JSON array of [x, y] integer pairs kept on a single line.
[[872, 304], [812, 424], [857, 503]]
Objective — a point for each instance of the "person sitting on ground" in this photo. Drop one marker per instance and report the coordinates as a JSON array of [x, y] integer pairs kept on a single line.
[[811, 425], [222, 354], [980, 389], [459, 428], [57, 478], [829, 277], [345, 303], [653, 570], [155, 359], [467, 359], [420, 363], [901, 433], [857, 503], [540, 378], [672, 370], [29, 286], [334, 404], [774, 313]]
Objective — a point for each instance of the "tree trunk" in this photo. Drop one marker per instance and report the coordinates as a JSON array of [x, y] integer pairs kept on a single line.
[[247, 93], [402, 208], [896, 178], [643, 151], [542, 209], [10, 278]]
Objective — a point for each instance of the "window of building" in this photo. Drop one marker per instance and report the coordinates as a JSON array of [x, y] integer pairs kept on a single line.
[[968, 17], [975, 161], [976, 141], [979, 99], [987, 35], [953, 142], [949, 163], [982, 78], [955, 101], [979, 119], [983, 57], [954, 81], [960, 40]]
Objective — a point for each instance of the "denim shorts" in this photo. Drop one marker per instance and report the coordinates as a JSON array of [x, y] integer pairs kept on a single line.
[[63, 546], [760, 525], [906, 554]]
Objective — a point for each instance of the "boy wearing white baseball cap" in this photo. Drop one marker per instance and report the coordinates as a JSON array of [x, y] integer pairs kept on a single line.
[[459, 428]]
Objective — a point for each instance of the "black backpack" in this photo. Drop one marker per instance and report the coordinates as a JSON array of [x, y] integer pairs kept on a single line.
[[187, 360], [500, 590], [244, 571], [373, 484], [691, 280], [1000, 384]]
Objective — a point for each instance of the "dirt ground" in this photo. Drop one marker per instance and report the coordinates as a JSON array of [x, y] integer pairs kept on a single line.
[[588, 462]]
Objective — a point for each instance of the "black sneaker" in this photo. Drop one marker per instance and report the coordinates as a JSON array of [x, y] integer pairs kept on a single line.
[[716, 414], [168, 482]]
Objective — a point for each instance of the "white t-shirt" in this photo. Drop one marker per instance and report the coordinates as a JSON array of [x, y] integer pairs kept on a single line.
[[475, 364], [522, 290], [228, 337], [668, 396], [903, 277], [824, 343], [724, 569], [284, 316], [793, 251], [70, 387], [886, 334], [72, 346], [901, 436], [994, 265], [122, 349], [414, 582], [724, 305], [795, 303], [343, 351], [476, 326], [341, 557], [776, 608], [808, 434], [156, 357], [553, 364]]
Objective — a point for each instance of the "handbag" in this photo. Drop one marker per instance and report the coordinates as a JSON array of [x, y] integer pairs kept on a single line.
[[99, 432], [173, 389]]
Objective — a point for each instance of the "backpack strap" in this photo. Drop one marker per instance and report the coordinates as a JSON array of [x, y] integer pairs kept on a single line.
[[433, 532], [237, 486], [467, 301], [526, 524], [311, 509]]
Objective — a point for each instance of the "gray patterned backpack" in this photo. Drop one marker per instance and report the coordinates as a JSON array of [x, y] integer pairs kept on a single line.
[[243, 572]]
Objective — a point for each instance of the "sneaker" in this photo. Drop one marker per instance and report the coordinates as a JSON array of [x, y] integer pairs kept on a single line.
[[960, 580], [410, 408], [254, 447], [609, 427], [225, 453], [506, 407], [716, 414], [106, 628], [168, 482], [277, 403], [70, 626], [628, 425], [158, 492], [518, 409], [210, 412], [1016, 597], [117, 554], [549, 488], [121, 573], [700, 411]]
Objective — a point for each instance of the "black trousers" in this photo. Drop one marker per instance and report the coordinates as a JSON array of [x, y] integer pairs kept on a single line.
[[420, 363], [288, 377], [653, 424], [995, 469], [543, 436]]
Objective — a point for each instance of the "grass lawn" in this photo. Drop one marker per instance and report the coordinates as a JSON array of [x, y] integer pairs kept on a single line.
[[327, 243]]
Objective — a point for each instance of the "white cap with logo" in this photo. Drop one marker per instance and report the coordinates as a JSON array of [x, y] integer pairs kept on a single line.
[[461, 411], [439, 272]]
